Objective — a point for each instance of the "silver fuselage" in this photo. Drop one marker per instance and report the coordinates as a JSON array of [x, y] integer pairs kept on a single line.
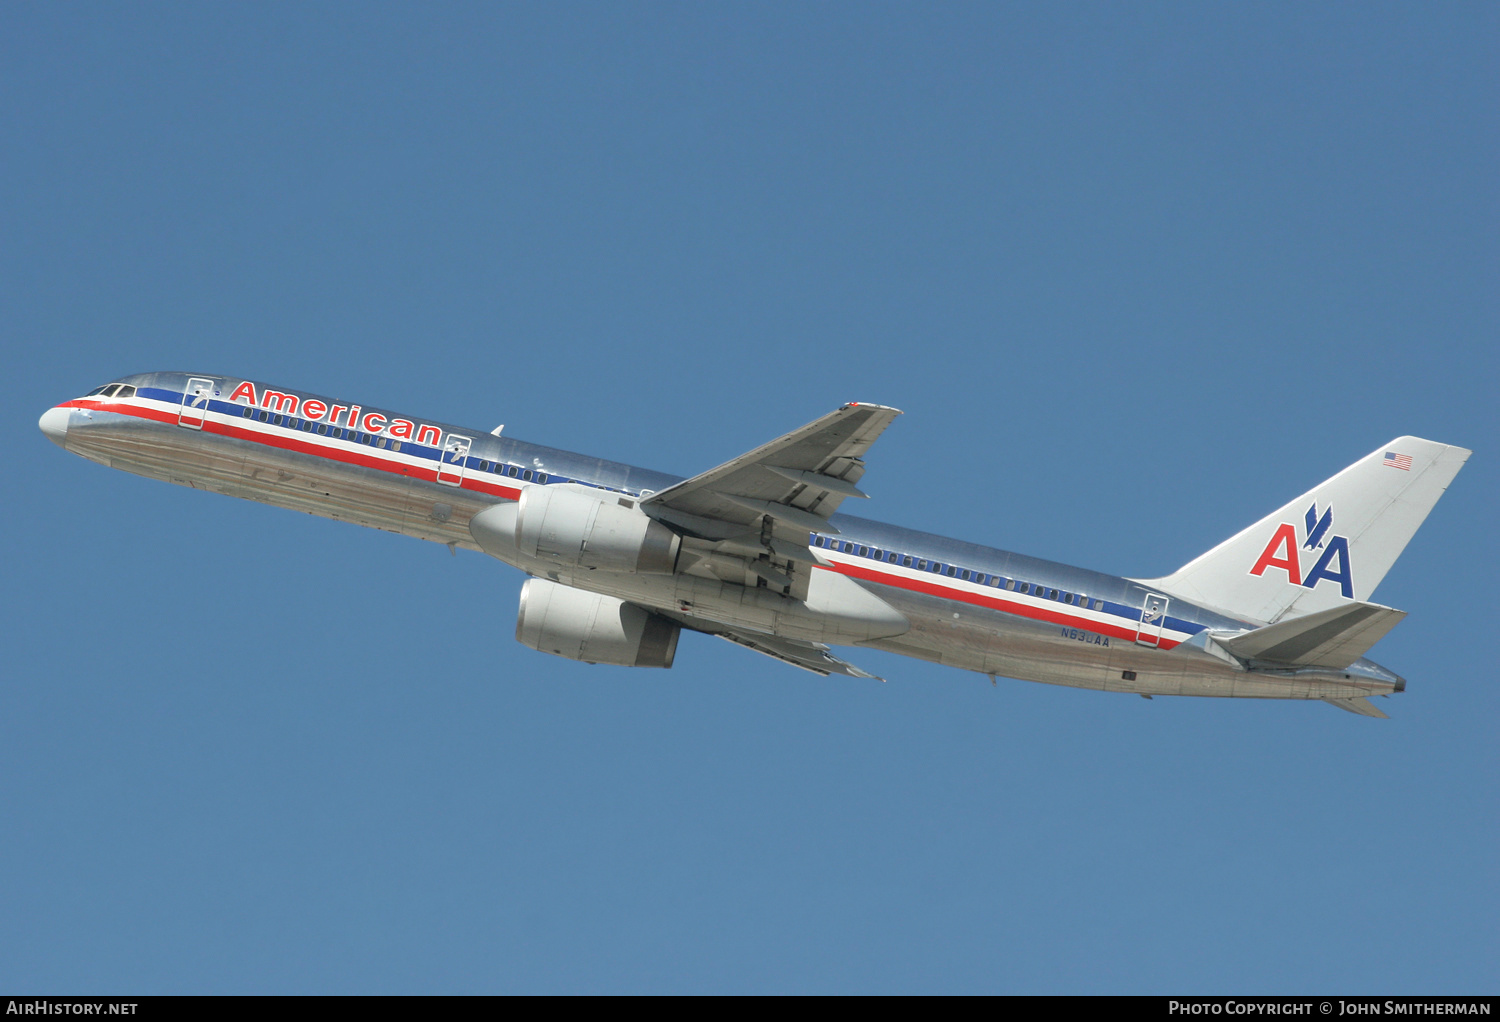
[[968, 606]]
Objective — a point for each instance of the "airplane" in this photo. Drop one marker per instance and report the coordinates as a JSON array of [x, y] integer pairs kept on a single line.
[[622, 559]]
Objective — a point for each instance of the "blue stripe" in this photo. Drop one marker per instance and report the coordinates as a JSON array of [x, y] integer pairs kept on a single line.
[[236, 409], [1130, 616]]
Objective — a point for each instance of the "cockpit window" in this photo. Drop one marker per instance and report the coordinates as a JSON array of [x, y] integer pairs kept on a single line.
[[110, 390], [126, 392], [97, 391]]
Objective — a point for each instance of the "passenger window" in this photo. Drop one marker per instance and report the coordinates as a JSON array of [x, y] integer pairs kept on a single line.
[[1052, 595], [964, 574], [526, 475], [337, 432], [864, 551], [1098, 604], [1023, 587], [937, 567], [541, 477], [906, 562], [891, 558], [126, 392], [380, 443], [248, 412], [395, 445], [921, 565], [323, 429], [952, 571]]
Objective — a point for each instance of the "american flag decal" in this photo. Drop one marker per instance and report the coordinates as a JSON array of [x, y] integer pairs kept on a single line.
[[1401, 461]]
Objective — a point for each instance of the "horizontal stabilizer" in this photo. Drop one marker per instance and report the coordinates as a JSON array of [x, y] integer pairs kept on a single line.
[[1360, 705], [1329, 638]]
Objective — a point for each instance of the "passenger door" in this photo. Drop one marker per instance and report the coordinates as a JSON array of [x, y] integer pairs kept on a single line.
[[195, 403], [1153, 616], [453, 459]]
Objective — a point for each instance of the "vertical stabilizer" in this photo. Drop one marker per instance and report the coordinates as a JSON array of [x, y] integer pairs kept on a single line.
[[1329, 547]]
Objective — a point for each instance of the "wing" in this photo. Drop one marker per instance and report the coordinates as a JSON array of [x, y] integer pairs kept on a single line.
[[810, 656], [798, 480], [748, 520]]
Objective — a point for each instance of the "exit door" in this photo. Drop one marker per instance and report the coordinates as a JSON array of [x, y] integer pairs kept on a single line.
[[1153, 617], [454, 458], [195, 403]]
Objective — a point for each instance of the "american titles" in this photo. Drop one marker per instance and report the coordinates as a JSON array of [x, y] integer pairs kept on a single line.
[[338, 415]]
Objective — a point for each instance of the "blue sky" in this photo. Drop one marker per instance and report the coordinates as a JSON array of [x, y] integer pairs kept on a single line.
[[1136, 274]]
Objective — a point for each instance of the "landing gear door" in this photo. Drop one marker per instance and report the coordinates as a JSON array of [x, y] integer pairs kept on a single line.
[[195, 403], [451, 462], [1153, 617]]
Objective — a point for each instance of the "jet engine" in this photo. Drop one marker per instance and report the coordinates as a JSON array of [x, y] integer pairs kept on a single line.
[[597, 629], [593, 529]]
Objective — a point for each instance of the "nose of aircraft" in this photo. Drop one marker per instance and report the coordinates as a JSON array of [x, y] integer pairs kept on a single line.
[[54, 422]]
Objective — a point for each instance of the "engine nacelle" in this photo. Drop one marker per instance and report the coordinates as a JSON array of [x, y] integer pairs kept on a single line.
[[597, 629], [592, 529]]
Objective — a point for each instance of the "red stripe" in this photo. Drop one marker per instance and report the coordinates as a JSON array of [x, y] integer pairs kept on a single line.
[[997, 603], [1009, 606], [300, 446]]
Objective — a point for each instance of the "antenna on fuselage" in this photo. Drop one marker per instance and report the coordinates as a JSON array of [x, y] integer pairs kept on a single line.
[[497, 429]]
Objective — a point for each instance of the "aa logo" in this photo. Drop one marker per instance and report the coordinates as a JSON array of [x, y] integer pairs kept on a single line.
[[1333, 563]]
